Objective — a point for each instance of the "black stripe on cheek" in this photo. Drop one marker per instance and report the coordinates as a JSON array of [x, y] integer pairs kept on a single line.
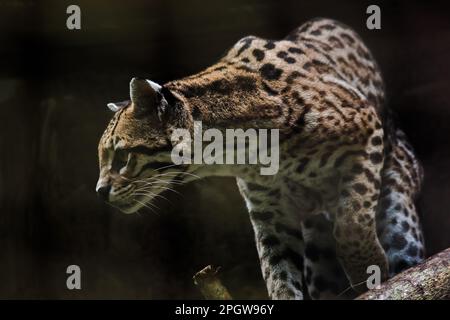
[[148, 151], [154, 166]]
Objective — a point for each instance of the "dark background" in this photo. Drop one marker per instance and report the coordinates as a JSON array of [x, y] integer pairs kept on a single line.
[[54, 86]]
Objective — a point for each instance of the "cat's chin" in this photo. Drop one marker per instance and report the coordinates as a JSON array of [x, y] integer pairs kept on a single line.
[[127, 208], [130, 210], [138, 204]]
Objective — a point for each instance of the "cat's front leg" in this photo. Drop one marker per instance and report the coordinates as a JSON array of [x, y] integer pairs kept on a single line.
[[279, 241]]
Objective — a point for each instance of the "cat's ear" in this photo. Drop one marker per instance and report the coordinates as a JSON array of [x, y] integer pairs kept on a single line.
[[116, 106], [147, 98]]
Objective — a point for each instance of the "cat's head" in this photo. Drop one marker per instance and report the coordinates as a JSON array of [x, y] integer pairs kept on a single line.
[[135, 149]]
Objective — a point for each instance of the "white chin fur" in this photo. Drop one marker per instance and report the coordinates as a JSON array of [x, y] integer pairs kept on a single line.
[[131, 210], [137, 206]]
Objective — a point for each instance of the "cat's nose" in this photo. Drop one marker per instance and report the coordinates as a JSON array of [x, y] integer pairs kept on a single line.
[[103, 192]]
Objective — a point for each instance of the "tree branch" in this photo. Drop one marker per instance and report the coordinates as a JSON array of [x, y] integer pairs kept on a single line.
[[428, 281]]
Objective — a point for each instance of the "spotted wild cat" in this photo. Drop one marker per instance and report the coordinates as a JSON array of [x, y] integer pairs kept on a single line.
[[343, 198]]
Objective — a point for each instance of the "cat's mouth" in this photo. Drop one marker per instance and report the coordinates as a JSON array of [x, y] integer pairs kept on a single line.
[[141, 193]]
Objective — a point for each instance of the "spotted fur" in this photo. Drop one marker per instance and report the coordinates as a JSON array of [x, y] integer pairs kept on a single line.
[[344, 196]]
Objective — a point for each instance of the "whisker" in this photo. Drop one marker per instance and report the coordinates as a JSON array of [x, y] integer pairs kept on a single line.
[[167, 174], [150, 186], [149, 181], [168, 166], [156, 182], [146, 205], [177, 173], [153, 184], [113, 206], [150, 193], [158, 169], [351, 287], [159, 187], [169, 189]]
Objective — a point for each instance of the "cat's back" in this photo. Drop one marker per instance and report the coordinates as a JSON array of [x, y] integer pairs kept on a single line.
[[319, 51]]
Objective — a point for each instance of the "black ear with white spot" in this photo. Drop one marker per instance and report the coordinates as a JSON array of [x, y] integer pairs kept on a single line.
[[147, 98], [116, 106]]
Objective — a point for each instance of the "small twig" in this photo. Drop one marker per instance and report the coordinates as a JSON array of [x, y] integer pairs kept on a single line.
[[210, 285]]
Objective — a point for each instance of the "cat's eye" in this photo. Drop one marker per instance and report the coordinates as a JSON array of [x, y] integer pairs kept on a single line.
[[120, 160]]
